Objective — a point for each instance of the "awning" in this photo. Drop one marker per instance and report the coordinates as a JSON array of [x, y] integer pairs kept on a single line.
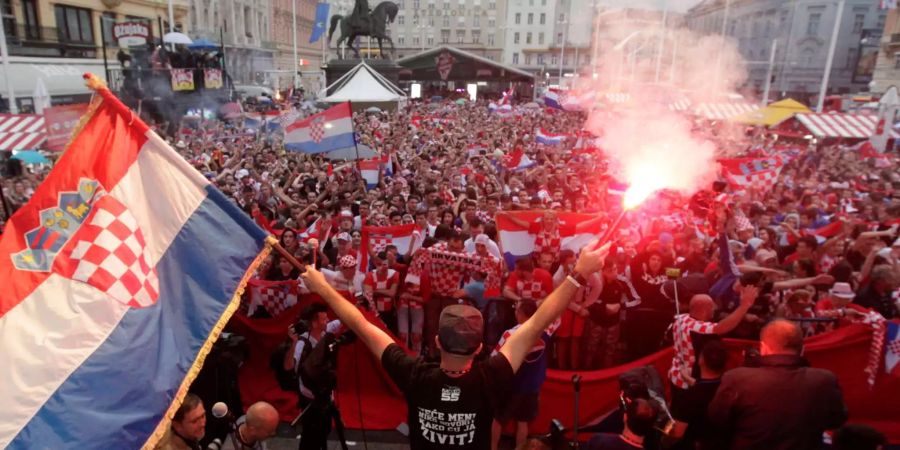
[[61, 77], [723, 111], [21, 131], [773, 114], [680, 105], [452, 64], [847, 126]]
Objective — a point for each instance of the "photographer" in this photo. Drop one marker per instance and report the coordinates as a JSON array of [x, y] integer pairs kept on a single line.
[[306, 335], [452, 404], [640, 417]]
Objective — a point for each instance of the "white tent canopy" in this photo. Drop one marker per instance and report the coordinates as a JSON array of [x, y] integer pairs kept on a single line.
[[362, 84]]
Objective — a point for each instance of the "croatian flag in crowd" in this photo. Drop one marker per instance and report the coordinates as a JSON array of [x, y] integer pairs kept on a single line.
[[545, 137], [518, 242], [370, 169], [553, 99], [518, 160], [116, 282], [892, 349], [407, 239], [747, 172], [328, 130]]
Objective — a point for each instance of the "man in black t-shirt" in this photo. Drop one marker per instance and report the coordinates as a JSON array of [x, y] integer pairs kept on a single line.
[[451, 404], [689, 411], [640, 415]]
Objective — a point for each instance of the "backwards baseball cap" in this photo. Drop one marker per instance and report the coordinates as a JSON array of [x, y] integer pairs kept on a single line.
[[460, 329]]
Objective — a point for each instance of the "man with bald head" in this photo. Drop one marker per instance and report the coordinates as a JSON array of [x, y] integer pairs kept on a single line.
[[252, 429], [698, 320], [782, 404]]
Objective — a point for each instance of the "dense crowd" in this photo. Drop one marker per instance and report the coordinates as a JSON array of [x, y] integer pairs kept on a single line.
[[819, 247]]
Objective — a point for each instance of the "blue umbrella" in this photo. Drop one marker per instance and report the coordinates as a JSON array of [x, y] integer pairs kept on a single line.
[[203, 44], [31, 157]]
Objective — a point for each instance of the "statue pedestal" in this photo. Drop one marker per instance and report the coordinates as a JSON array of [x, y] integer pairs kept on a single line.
[[336, 68]]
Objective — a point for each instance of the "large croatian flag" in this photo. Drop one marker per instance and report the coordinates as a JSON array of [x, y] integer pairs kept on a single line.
[[370, 170], [553, 99], [407, 239], [116, 282], [328, 130], [545, 137], [517, 242]]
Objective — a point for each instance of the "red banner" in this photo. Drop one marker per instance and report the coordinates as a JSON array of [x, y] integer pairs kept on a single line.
[[369, 400], [60, 121]]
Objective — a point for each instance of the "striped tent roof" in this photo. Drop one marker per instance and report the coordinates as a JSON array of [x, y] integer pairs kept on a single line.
[[723, 111], [847, 126], [22, 131]]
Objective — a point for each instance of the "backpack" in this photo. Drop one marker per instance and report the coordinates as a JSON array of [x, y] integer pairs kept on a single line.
[[287, 378]]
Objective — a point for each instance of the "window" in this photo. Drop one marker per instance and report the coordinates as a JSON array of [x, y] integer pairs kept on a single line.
[[461, 21], [446, 5], [541, 38], [400, 20], [9, 19], [558, 38], [492, 5], [543, 18], [74, 24], [528, 59], [812, 26], [518, 18], [401, 40], [540, 58], [32, 25], [530, 18], [515, 58], [445, 36], [896, 61], [562, 18], [554, 60], [416, 41], [858, 21], [516, 37], [417, 4], [490, 40], [446, 21], [528, 37], [430, 41], [460, 36], [476, 36], [476, 21], [851, 57], [492, 22], [107, 22]]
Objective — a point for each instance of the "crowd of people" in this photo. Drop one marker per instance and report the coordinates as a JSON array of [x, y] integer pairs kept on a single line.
[[816, 250]]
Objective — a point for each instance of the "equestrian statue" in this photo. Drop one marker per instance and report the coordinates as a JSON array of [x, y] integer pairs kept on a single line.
[[363, 22]]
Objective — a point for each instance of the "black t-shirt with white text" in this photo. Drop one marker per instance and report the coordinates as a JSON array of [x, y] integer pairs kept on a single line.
[[449, 412]]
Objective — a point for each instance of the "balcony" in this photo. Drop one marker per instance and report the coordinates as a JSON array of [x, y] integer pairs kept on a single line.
[[46, 42], [894, 40]]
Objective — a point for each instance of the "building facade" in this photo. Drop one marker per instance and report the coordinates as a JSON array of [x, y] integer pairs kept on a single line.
[[887, 68], [58, 41], [549, 38], [244, 26], [309, 56], [802, 30]]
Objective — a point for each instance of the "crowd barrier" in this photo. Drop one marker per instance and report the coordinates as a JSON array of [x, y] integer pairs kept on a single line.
[[368, 399]]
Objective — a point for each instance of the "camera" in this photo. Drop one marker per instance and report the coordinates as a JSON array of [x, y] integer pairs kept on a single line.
[[300, 326]]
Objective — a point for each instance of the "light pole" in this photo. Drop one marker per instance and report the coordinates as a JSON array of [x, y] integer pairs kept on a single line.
[[294, 36], [718, 72], [823, 89], [562, 48]]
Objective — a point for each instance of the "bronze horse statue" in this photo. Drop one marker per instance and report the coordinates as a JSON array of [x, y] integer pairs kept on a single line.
[[374, 26]]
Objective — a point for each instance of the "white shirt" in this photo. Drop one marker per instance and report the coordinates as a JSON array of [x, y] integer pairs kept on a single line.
[[339, 283], [332, 328]]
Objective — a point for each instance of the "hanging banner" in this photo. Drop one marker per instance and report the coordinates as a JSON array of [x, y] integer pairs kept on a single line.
[[444, 64], [60, 121], [212, 78], [182, 79]]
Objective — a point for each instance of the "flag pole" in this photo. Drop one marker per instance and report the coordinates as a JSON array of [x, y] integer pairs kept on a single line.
[[355, 143]]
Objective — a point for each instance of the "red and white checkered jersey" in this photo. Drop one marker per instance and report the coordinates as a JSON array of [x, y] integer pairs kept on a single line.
[[273, 296], [537, 288], [344, 286], [380, 282], [494, 281], [683, 359]]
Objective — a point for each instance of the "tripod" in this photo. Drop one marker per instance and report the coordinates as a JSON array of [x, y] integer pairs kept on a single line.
[[317, 420]]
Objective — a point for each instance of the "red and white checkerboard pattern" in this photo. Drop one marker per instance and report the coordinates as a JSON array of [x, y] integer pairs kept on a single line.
[[380, 242], [547, 242], [317, 129], [683, 359], [275, 297], [764, 179], [110, 254], [447, 272], [531, 289], [378, 282], [894, 347]]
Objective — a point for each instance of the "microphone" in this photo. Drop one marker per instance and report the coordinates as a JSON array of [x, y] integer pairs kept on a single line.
[[220, 411]]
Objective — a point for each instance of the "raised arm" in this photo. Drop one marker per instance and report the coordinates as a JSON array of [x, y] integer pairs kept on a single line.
[[374, 338], [520, 343], [748, 296]]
